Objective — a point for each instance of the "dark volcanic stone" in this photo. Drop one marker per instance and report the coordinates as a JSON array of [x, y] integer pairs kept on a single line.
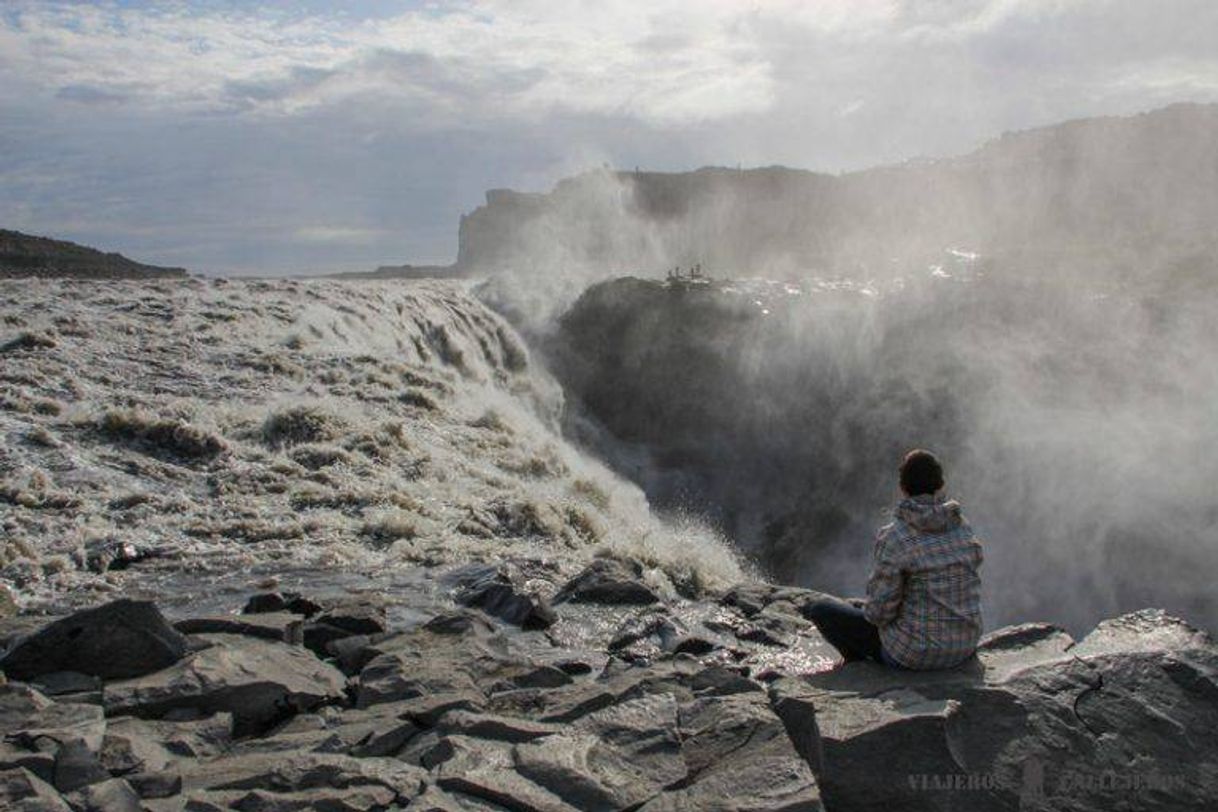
[[283, 626], [22, 791], [280, 602], [76, 766], [161, 784], [121, 639], [113, 795], [499, 597], [608, 581], [256, 680], [355, 618]]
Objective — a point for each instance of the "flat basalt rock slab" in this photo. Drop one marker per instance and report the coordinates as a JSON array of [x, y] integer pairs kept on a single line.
[[351, 799], [1146, 632], [285, 627], [22, 791], [767, 777], [487, 772], [27, 715], [296, 772], [113, 795], [253, 679]]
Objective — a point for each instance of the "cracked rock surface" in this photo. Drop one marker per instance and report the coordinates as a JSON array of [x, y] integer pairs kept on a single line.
[[464, 710]]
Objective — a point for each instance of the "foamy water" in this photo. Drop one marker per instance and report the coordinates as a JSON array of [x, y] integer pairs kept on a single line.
[[338, 434]]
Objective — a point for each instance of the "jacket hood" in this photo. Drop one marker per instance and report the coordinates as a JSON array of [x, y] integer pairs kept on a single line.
[[930, 514]]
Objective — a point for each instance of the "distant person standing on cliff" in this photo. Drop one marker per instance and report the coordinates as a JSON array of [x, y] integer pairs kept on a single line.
[[923, 607]]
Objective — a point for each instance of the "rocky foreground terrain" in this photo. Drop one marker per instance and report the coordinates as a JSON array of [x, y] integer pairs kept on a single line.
[[605, 698], [320, 546]]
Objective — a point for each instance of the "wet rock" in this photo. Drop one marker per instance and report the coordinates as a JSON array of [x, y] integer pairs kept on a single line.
[[255, 680], [22, 791], [354, 619], [283, 626], [498, 596], [292, 602], [357, 617], [112, 795], [121, 639], [608, 581], [644, 637]]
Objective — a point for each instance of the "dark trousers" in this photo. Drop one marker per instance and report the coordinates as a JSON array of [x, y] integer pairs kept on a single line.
[[849, 631]]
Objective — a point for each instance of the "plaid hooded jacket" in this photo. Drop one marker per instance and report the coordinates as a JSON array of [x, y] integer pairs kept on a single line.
[[924, 594]]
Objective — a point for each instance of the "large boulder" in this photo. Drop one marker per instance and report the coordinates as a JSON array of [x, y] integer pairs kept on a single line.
[[119, 640], [1121, 720], [254, 679]]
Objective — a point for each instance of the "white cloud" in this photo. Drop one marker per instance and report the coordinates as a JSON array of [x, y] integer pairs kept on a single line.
[[279, 123], [665, 62]]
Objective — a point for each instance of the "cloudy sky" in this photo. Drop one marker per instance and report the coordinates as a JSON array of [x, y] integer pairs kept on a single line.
[[305, 136]]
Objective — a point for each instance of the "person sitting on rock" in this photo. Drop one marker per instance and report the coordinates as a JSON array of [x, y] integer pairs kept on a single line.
[[923, 606]]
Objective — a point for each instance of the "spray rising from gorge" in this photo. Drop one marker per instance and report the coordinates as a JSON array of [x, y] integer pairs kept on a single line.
[[1039, 311]]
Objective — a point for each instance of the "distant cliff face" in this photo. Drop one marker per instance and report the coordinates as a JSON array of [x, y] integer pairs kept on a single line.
[[1108, 193], [26, 255]]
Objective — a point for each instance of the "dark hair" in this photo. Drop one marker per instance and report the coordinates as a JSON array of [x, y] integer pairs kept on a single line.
[[921, 473]]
